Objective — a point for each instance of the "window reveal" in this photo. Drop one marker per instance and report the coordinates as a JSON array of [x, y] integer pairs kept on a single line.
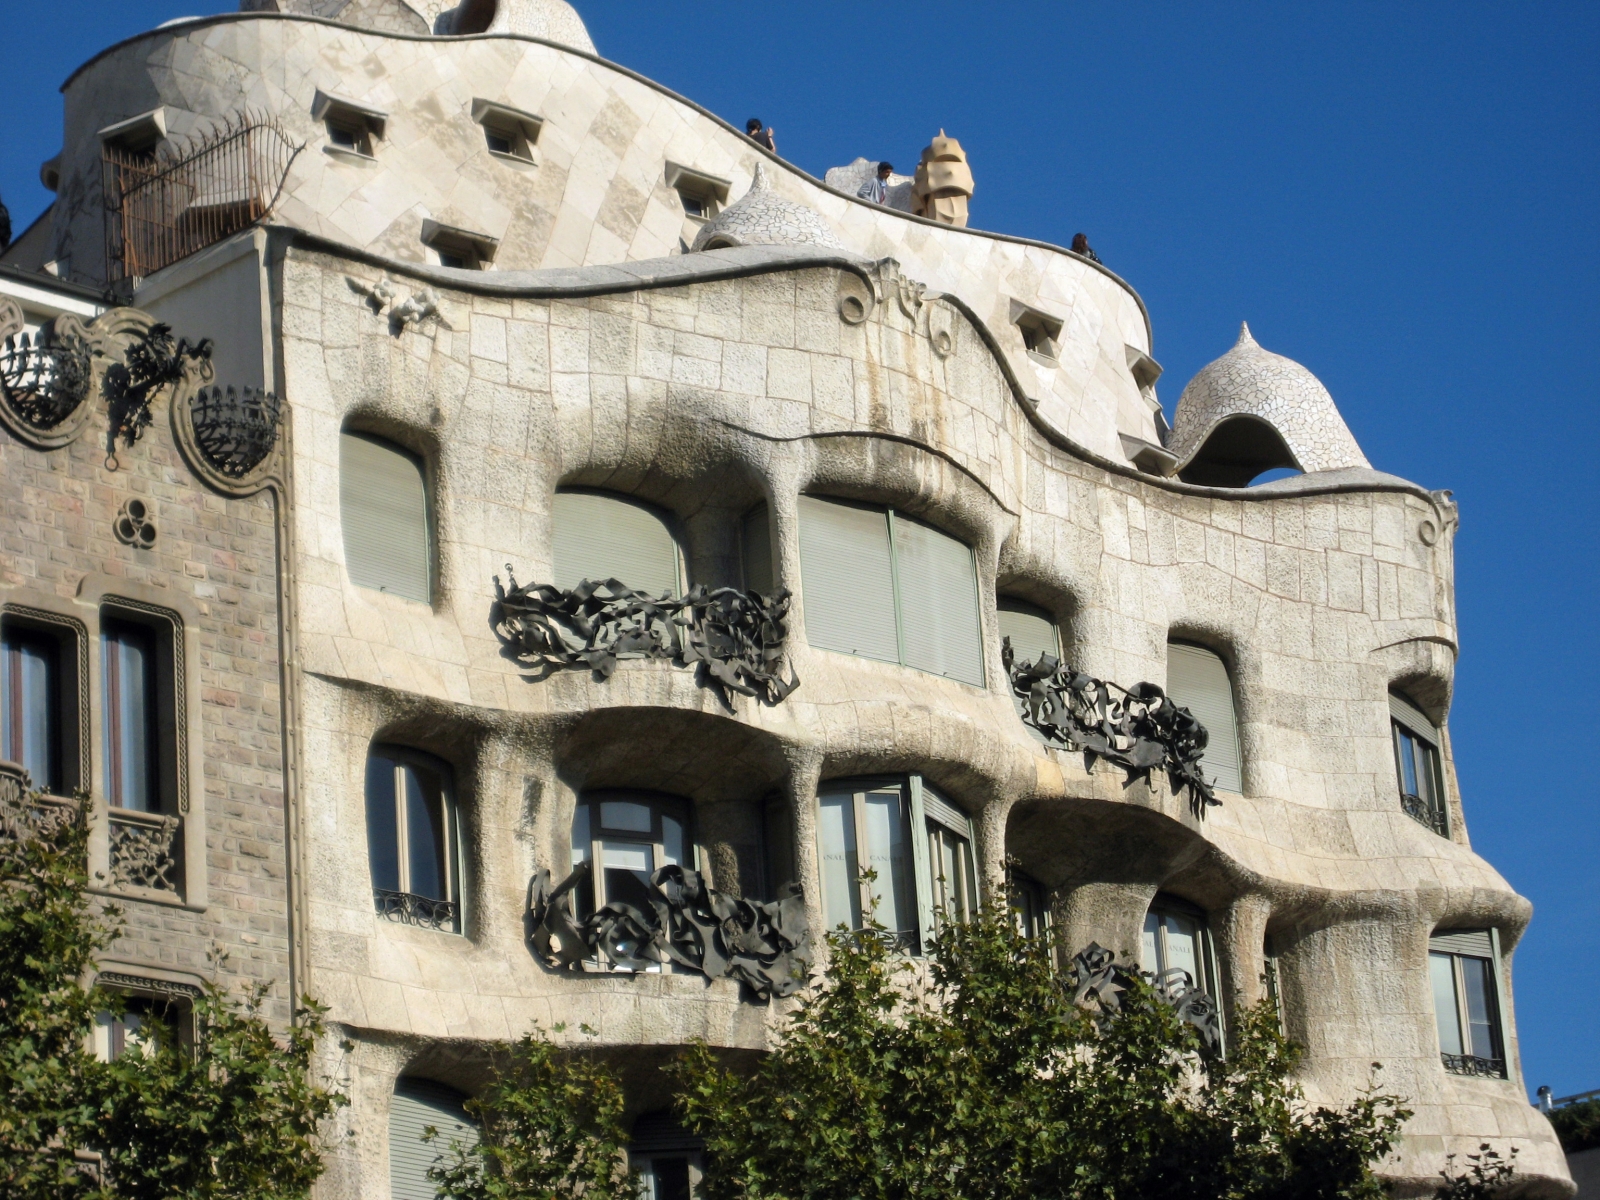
[[1466, 1003], [132, 746], [412, 839]]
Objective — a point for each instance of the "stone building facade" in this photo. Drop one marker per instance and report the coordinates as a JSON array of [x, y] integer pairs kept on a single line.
[[528, 320]]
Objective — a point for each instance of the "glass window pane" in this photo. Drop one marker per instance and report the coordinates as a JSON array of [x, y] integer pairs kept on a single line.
[[951, 861], [888, 853], [426, 838], [1483, 1027], [30, 705], [581, 837], [130, 716], [627, 867], [940, 627], [383, 839], [1408, 762], [847, 580], [1149, 946], [626, 815], [1428, 776], [841, 897], [667, 1178], [674, 846], [1442, 974], [1183, 947]]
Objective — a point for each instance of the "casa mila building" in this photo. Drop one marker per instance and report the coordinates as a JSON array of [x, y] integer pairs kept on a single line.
[[500, 548]]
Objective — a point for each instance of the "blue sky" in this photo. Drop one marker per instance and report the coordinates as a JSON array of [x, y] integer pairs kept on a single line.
[[1405, 198]]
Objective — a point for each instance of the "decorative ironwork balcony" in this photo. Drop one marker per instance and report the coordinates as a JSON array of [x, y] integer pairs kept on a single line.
[[733, 639], [407, 908], [144, 849], [1471, 1064], [1098, 981], [762, 945], [1139, 730], [1430, 815], [235, 428], [45, 378]]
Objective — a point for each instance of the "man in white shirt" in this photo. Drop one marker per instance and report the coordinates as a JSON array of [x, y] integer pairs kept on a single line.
[[877, 190]]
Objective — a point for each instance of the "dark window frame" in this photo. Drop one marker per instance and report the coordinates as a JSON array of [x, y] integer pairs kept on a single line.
[[403, 903]]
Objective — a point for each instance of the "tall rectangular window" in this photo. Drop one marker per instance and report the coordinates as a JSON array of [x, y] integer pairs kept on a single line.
[[1030, 906], [629, 836], [881, 585], [30, 704], [1197, 679], [1417, 765], [1176, 939], [1466, 1002], [412, 838], [952, 874], [132, 733], [383, 508], [865, 828]]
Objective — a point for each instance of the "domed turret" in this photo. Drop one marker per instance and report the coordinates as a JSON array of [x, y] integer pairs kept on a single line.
[[1252, 410], [763, 218]]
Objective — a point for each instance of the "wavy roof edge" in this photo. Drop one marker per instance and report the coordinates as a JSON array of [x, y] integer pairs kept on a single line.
[[711, 266], [184, 24]]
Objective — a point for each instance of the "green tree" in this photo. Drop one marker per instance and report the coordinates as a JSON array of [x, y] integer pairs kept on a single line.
[[230, 1115], [988, 1081], [550, 1128]]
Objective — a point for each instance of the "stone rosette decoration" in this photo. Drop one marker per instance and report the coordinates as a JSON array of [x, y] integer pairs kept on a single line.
[[763, 945], [1140, 730], [1098, 982], [733, 639]]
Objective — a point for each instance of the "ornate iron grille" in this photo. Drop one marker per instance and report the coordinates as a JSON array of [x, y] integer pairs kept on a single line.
[[1097, 981], [45, 378], [235, 428], [144, 849], [1423, 813], [1471, 1064], [165, 205], [410, 909]]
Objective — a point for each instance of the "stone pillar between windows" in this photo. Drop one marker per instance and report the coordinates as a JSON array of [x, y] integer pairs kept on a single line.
[[730, 835], [1109, 913], [1240, 931]]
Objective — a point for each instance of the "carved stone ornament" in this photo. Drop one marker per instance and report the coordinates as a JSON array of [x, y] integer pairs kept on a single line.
[[1140, 730], [762, 945], [143, 849], [856, 300], [733, 639], [1098, 982], [941, 328], [133, 525], [152, 361], [907, 292], [25, 813]]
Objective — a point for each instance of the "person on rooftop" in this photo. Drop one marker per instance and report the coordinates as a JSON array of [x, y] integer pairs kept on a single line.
[[760, 136], [1080, 245], [877, 189]]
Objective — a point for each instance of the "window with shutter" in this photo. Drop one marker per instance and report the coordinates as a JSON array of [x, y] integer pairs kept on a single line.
[[881, 585], [413, 839], [1417, 765], [628, 835], [1032, 635], [1466, 1002], [416, 1105], [1198, 680], [383, 506], [599, 536]]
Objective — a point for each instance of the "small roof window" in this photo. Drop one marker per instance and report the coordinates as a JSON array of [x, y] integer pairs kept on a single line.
[[464, 249], [136, 135], [353, 128], [1040, 332], [508, 132], [702, 195]]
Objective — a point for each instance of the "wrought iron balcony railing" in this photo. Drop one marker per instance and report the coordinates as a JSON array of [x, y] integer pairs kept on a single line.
[[1471, 1064], [1140, 730], [1424, 813], [1098, 981], [407, 908], [45, 378]]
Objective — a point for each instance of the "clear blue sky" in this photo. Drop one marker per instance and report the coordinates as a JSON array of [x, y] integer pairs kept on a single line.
[[1403, 197]]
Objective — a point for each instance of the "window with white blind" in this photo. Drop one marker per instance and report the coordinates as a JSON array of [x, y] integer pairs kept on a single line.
[[413, 838], [1198, 680], [1176, 939], [879, 584], [920, 881], [755, 544], [1032, 634], [600, 536], [1417, 765], [415, 1106], [383, 507], [1466, 1001]]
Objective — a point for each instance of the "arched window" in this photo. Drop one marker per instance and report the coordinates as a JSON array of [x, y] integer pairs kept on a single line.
[[882, 585], [1198, 680], [413, 838], [1417, 765], [600, 536], [383, 506], [416, 1105], [1032, 633], [1466, 1001], [628, 835], [1176, 939], [919, 881]]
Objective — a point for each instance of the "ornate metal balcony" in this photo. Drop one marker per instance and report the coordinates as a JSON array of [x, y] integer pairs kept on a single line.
[[407, 908], [1098, 981], [1430, 815], [235, 428], [762, 945], [733, 639], [144, 849], [44, 378], [1471, 1064], [1139, 730]]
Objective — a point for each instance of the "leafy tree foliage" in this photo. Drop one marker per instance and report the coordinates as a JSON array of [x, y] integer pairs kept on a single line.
[[551, 1128], [231, 1115], [987, 1081], [1577, 1125]]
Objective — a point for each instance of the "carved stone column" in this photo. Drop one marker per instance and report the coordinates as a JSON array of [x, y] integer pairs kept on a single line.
[[1109, 913]]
